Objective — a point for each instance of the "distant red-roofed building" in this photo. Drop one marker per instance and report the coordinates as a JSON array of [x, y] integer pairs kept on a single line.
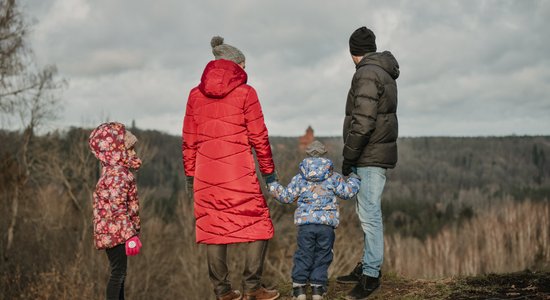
[[306, 139]]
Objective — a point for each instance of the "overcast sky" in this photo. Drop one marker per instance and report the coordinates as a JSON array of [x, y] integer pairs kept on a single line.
[[468, 68]]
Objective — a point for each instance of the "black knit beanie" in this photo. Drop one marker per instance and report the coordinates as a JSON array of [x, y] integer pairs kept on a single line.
[[362, 41]]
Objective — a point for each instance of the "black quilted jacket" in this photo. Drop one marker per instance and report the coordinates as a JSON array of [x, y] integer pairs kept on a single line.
[[370, 125]]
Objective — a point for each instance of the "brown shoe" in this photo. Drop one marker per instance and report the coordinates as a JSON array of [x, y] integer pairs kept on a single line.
[[261, 294], [234, 294]]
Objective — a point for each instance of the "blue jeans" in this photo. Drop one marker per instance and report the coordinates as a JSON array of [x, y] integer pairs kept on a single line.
[[369, 211], [313, 255]]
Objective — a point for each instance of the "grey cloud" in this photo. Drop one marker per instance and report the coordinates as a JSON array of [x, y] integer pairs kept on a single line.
[[103, 62], [466, 65]]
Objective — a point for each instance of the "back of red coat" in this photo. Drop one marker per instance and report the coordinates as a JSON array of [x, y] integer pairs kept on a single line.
[[223, 123]]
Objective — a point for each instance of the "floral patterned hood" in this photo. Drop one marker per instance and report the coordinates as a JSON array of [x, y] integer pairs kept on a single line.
[[107, 144], [316, 168]]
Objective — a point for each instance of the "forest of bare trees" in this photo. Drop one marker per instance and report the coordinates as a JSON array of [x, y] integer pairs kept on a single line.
[[453, 206], [27, 98]]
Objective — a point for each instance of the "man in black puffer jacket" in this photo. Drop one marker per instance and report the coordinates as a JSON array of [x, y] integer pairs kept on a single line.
[[370, 135]]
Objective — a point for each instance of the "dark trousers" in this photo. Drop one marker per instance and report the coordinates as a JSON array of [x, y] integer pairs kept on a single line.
[[118, 262], [313, 255], [253, 268]]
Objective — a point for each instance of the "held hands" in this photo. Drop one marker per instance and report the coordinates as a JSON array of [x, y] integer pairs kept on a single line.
[[133, 245], [347, 167], [354, 175], [269, 178]]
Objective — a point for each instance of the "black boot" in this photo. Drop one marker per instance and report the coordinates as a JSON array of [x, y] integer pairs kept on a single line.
[[318, 292], [299, 292], [366, 286], [352, 277]]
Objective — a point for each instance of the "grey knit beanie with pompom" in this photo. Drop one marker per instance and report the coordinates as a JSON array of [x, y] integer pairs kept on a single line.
[[225, 51]]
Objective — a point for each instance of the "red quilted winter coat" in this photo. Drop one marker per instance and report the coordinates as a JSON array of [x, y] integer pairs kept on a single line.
[[223, 122], [116, 205]]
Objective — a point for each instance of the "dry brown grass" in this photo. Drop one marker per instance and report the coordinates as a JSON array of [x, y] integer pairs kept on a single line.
[[57, 259], [506, 238], [52, 254]]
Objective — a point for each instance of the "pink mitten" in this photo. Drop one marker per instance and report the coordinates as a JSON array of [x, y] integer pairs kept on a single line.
[[133, 245]]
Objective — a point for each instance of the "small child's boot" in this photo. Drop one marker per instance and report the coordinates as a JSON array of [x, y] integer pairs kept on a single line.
[[299, 292], [318, 292]]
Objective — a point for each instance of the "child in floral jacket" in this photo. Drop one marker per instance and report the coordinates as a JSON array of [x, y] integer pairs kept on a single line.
[[316, 189], [115, 207]]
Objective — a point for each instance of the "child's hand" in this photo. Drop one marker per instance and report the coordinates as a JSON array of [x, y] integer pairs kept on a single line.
[[272, 188], [133, 245], [354, 175]]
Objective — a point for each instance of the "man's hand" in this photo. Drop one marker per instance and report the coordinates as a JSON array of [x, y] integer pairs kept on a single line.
[[347, 167]]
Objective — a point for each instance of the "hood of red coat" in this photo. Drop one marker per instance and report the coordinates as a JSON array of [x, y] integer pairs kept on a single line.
[[220, 77], [107, 144]]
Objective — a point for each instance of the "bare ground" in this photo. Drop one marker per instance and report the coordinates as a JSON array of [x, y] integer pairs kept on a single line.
[[520, 285]]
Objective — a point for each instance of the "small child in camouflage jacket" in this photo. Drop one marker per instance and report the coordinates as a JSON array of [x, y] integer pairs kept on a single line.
[[316, 189]]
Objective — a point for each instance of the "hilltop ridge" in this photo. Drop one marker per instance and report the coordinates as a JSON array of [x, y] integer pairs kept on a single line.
[[518, 285]]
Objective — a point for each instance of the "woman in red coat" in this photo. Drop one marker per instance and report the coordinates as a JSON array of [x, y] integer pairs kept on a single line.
[[223, 123]]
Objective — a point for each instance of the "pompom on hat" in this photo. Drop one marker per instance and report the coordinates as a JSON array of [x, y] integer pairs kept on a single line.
[[129, 139], [225, 51], [362, 41]]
